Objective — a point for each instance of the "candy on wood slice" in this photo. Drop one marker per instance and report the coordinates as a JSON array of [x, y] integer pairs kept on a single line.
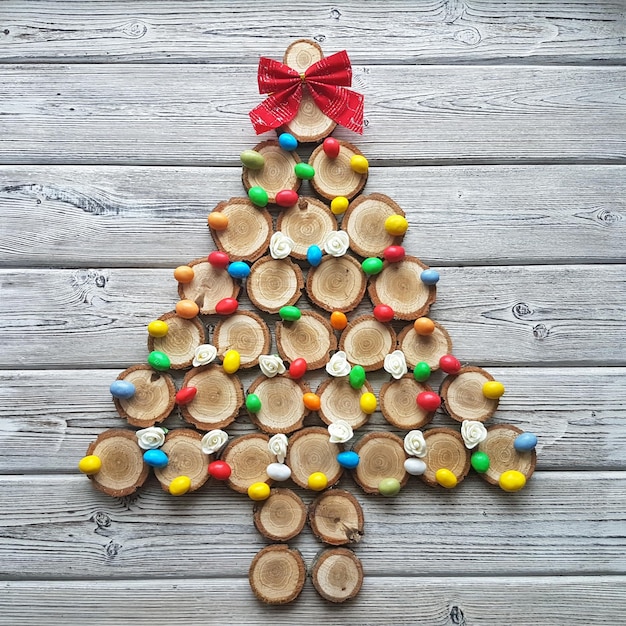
[[340, 401], [337, 574], [424, 348], [336, 517], [282, 516], [381, 456], [123, 470], [209, 285], [367, 342], [398, 404], [180, 342], [445, 449], [336, 284], [399, 286], [463, 398], [245, 332], [248, 457], [154, 396], [335, 177], [277, 574], [183, 447], [249, 230], [274, 283]]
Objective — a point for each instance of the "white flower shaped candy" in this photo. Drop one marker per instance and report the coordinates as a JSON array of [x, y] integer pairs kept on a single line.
[[204, 354], [151, 438], [338, 365], [280, 245], [213, 441], [278, 445], [271, 364], [340, 431], [473, 433], [336, 243], [415, 444], [395, 364]]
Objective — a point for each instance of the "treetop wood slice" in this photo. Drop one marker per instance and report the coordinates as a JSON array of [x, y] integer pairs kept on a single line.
[[277, 574], [248, 457], [274, 283], [398, 403], [183, 447], [336, 517], [426, 348], [209, 285], [282, 516], [381, 456], [445, 450], [182, 339], [463, 398], [335, 177], [367, 342], [337, 574], [246, 332], [339, 401]]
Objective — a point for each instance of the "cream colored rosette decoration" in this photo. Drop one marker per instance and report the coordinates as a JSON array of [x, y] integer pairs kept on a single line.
[[281, 245], [336, 243], [415, 444], [204, 354], [213, 441], [151, 438], [278, 446], [338, 365], [395, 364], [271, 365], [473, 433], [340, 432]]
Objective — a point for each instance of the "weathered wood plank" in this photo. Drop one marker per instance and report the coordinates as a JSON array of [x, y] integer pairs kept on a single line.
[[195, 114], [156, 216]]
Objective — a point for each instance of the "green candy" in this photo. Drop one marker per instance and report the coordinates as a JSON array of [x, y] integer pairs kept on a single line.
[[252, 159], [304, 171], [258, 196], [480, 462], [159, 360], [389, 487], [357, 377], [253, 403], [372, 265], [290, 313], [421, 372]]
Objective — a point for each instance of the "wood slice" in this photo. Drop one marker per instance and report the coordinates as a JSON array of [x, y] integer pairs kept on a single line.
[[364, 221], [248, 457], [217, 401], [123, 470], [209, 286], [154, 396], [184, 450], [309, 451], [282, 409], [498, 446], [277, 574], [245, 332], [310, 338], [398, 403], [427, 348], [336, 284], [463, 398], [339, 401], [381, 455], [274, 283], [249, 230], [277, 173], [306, 223], [335, 177], [445, 450], [337, 575], [399, 286], [182, 339], [336, 517], [367, 342], [282, 516]]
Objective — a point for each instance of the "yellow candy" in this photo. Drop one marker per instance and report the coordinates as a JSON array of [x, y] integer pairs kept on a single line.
[[339, 205], [259, 491], [318, 481], [396, 225], [180, 485], [359, 164], [493, 390], [367, 403], [446, 478], [90, 464], [512, 480], [232, 361], [158, 328]]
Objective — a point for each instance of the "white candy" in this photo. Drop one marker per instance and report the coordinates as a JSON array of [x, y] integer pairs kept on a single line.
[[415, 467], [278, 471]]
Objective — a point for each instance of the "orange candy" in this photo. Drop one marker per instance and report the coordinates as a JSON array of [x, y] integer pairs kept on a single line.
[[424, 326], [338, 320], [311, 401], [217, 220], [187, 309], [184, 274]]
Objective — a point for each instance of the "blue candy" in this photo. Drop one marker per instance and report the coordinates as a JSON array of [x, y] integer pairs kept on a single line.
[[239, 269], [314, 255], [525, 442], [155, 458], [122, 389], [349, 460], [430, 277], [287, 141]]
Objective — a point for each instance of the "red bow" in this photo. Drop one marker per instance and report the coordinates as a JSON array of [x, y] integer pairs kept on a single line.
[[326, 81]]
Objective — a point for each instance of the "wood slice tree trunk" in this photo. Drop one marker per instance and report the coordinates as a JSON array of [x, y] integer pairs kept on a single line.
[[277, 574], [382, 456], [245, 332], [182, 338], [426, 348], [336, 284], [274, 283], [463, 397], [335, 177], [282, 516], [336, 517], [248, 457], [337, 574]]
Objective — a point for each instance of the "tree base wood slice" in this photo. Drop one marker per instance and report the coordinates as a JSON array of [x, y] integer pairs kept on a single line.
[[209, 285], [381, 455], [310, 338], [282, 516], [154, 396], [245, 332], [249, 230], [182, 339], [463, 398], [282, 409], [248, 457], [364, 221], [498, 446], [445, 449], [309, 451], [336, 284], [307, 223], [336, 517], [276, 174], [398, 403], [337, 575], [335, 177], [123, 470], [277, 574], [426, 348], [339, 401], [274, 283], [186, 458], [218, 398], [399, 286], [367, 342]]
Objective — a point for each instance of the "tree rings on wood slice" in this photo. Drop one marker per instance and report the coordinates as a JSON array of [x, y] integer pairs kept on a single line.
[[278, 172], [337, 574], [306, 223], [399, 406], [340, 401], [335, 177], [498, 446], [248, 457], [426, 348], [364, 221], [445, 450], [277, 574], [336, 517], [336, 284], [309, 451], [367, 342], [282, 516], [123, 470], [282, 409], [399, 286], [463, 397], [248, 233], [245, 332], [184, 450], [154, 396], [274, 283], [310, 338], [182, 338], [208, 286], [381, 455], [218, 399]]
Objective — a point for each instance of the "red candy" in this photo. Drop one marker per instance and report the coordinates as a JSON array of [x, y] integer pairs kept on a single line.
[[220, 470], [428, 400], [226, 306], [286, 198], [331, 147], [185, 395], [394, 254], [449, 364], [219, 260], [383, 313], [297, 369]]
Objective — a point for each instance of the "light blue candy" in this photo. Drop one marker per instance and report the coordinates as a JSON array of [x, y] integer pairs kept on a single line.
[[122, 389], [430, 277], [314, 255], [239, 269], [525, 442], [155, 458], [287, 141], [349, 459]]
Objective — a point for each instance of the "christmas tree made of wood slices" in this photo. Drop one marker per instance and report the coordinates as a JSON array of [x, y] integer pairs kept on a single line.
[[334, 243]]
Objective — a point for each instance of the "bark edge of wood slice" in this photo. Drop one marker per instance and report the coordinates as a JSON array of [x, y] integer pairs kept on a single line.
[[446, 443], [463, 398], [248, 457], [209, 285], [398, 404], [426, 348], [336, 518], [379, 340], [321, 456], [335, 177], [283, 288], [386, 460], [183, 446], [182, 338], [277, 574], [282, 516], [340, 401], [246, 332], [337, 574]]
